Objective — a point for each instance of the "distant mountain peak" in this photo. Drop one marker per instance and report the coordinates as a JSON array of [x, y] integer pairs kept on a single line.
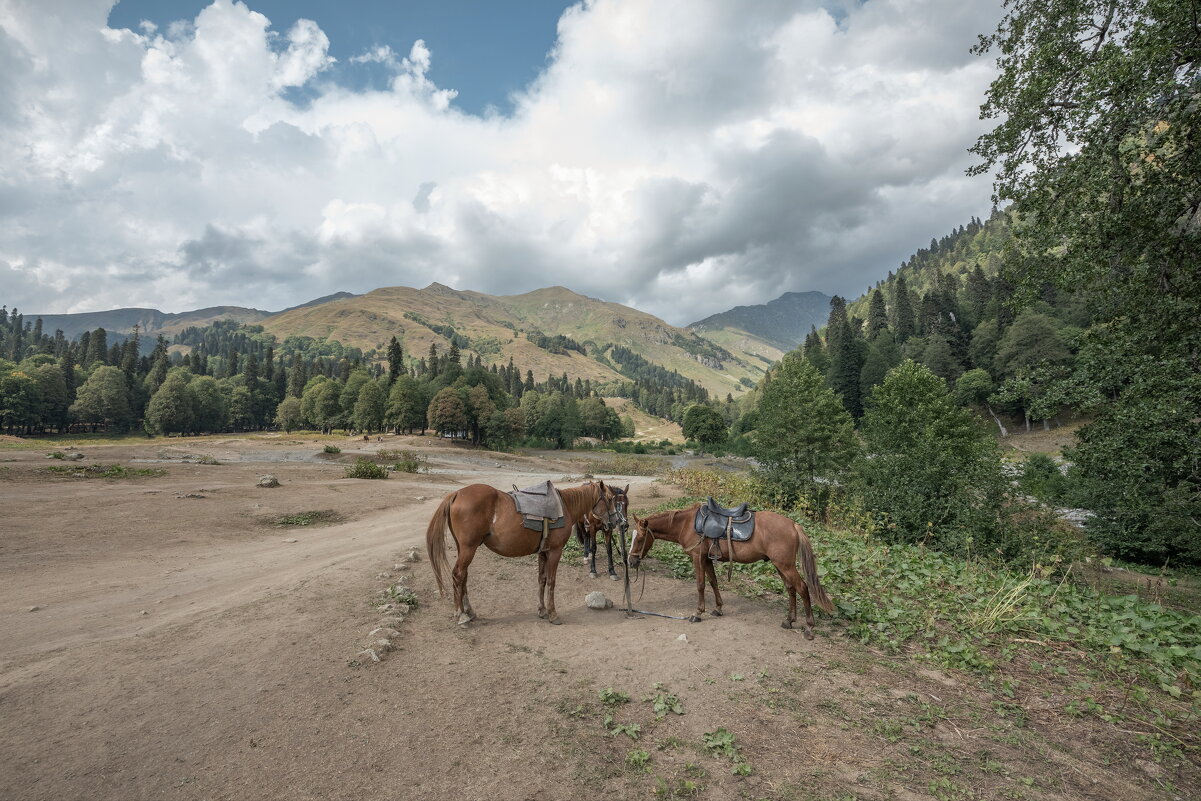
[[783, 322]]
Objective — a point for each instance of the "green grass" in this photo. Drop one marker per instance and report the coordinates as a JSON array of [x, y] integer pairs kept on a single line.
[[105, 471], [1134, 660], [365, 468], [320, 517]]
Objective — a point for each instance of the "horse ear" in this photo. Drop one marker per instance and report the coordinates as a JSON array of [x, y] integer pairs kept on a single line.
[[626, 490]]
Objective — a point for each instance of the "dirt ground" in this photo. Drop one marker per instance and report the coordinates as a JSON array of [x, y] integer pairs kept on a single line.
[[163, 638]]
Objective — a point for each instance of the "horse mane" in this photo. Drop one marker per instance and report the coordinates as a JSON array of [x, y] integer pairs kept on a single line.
[[577, 495]]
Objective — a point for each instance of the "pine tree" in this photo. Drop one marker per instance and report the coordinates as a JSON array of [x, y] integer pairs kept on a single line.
[[903, 325], [395, 360], [877, 315]]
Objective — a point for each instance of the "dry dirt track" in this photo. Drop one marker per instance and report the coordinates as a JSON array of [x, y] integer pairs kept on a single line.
[[240, 681]]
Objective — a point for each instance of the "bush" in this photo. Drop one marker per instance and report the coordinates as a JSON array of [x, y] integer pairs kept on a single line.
[[331, 449], [1042, 478], [365, 468], [408, 462], [931, 474]]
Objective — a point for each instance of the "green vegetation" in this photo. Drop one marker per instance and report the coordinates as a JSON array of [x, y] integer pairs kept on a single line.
[[331, 449], [1142, 659], [365, 468], [320, 517], [105, 471]]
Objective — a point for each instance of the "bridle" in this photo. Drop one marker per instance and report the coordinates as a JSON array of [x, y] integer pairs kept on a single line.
[[615, 511]]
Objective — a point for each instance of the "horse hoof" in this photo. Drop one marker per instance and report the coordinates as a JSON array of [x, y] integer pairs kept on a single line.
[[613, 577], [695, 619], [808, 634], [716, 613], [542, 614], [555, 622], [592, 575], [464, 619], [787, 624]]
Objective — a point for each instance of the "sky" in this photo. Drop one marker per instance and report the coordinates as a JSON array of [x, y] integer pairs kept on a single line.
[[680, 156]]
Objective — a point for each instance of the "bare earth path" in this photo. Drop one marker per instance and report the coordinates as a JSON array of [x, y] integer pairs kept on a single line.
[[183, 649]]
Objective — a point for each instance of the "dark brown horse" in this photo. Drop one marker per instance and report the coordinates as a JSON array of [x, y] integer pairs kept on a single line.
[[594, 525], [482, 515], [776, 539]]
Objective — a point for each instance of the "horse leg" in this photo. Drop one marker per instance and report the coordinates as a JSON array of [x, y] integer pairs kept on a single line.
[[609, 548], [552, 571], [541, 584], [796, 584], [712, 574], [590, 552], [463, 611], [698, 570]]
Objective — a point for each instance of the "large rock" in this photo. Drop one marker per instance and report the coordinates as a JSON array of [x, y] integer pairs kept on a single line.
[[597, 600], [268, 481]]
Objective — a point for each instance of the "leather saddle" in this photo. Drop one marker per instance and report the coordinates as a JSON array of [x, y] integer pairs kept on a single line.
[[540, 506], [718, 523]]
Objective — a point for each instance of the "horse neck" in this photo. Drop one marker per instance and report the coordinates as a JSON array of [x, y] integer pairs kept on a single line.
[[669, 526], [578, 501]]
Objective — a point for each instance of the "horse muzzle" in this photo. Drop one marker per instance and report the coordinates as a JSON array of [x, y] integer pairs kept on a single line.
[[635, 560]]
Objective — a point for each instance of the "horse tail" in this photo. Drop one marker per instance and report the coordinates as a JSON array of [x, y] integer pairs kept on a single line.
[[809, 565], [435, 541]]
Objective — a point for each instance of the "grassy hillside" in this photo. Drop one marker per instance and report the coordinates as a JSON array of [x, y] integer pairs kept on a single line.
[[496, 327]]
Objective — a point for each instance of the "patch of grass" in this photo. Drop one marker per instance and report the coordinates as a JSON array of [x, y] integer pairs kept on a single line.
[[106, 471], [1026, 629], [56, 455], [365, 468], [331, 449], [398, 593], [320, 517], [638, 759], [405, 461], [625, 464], [207, 458]]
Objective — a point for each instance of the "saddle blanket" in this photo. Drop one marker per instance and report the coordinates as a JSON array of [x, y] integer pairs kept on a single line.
[[538, 504]]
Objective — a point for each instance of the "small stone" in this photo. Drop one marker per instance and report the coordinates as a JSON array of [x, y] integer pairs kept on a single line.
[[384, 631], [682, 638], [385, 607], [400, 567], [389, 622], [290, 539], [382, 646], [143, 612], [401, 609], [73, 457], [33, 609], [420, 498], [597, 600], [413, 555], [368, 655], [383, 575], [268, 481]]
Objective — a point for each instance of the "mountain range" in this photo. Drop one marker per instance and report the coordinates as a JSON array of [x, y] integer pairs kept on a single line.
[[782, 322]]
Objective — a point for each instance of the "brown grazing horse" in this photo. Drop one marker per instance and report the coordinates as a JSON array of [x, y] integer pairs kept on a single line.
[[776, 539], [482, 515]]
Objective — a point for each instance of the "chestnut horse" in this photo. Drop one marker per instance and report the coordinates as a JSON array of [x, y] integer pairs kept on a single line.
[[776, 539], [592, 524], [482, 515]]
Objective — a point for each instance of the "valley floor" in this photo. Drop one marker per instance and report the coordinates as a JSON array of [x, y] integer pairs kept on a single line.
[[164, 638]]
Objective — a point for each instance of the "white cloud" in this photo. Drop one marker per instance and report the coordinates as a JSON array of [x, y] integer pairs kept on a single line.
[[669, 151]]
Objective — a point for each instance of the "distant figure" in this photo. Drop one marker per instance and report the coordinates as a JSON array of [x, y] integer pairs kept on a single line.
[[379, 439], [366, 438]]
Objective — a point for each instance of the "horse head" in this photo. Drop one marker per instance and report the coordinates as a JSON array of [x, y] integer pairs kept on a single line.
[[641, 542]]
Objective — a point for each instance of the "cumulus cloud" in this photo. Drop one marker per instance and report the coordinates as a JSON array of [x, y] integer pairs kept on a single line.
[[668, 152]]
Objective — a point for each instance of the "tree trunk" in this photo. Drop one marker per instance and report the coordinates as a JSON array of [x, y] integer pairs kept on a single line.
[[1000, 425]]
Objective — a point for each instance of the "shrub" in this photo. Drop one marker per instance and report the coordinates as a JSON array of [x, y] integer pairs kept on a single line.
[[331, 449], [1042, 478], [365, 468], [408, 462]]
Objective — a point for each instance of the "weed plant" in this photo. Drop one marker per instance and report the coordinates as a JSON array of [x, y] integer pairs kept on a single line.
[[365, 468]]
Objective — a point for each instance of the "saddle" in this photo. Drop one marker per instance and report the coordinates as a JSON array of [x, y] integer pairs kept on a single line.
[[718, 523], [540, 507]]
